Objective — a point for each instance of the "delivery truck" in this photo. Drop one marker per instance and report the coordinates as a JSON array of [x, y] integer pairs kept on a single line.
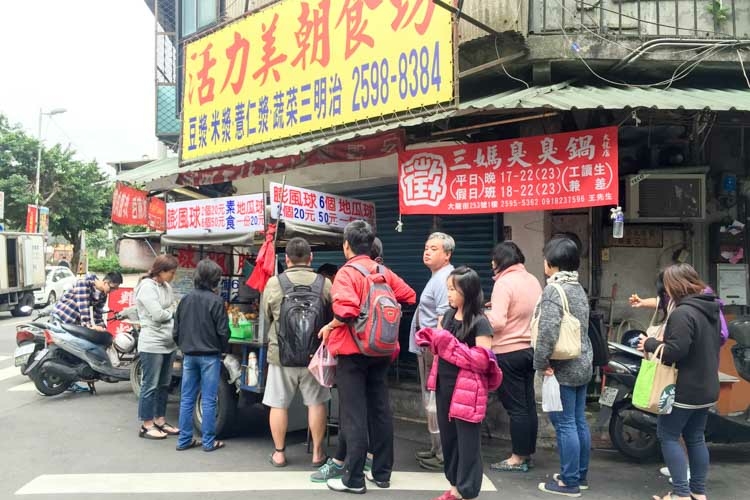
[[21, 271]]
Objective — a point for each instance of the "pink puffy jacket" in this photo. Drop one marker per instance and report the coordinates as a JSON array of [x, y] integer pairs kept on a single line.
[[478, 373]]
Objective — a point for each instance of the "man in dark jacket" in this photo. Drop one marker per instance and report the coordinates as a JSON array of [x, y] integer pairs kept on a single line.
[[202, 332]]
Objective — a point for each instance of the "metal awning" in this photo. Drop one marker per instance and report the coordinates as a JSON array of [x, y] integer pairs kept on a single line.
[[566, 96], [153, 174]]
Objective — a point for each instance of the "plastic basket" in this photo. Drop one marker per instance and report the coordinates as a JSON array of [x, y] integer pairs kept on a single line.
[[243, 331]]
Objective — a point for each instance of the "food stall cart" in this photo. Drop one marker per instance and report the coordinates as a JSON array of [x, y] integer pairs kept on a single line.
[[309, 214]]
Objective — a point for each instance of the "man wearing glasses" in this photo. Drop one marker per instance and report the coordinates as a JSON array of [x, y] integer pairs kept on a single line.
[[84, 303]]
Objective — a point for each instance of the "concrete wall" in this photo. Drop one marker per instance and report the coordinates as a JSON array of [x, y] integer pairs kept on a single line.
[[673, 18], [528, 233]]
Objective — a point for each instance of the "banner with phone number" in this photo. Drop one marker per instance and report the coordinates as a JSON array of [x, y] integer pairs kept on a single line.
[[551, 172], [297, 67]]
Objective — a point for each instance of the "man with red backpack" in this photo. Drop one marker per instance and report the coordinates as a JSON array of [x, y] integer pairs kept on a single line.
[[364, 335]]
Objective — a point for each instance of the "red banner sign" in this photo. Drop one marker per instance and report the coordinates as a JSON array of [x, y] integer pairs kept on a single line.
[[129, 206], [157, 214], [552, 172], [32, 218], [366, 148]]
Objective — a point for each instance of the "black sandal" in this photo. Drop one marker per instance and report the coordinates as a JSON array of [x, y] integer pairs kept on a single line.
[[217, 446], [274, 462], [320, 463], [193, 444], [144, 433], [161, 427]]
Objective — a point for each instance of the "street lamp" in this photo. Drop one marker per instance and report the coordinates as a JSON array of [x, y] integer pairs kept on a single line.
[[52, 112]]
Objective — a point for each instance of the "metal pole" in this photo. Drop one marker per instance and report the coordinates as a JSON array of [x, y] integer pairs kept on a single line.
[[38, 167]]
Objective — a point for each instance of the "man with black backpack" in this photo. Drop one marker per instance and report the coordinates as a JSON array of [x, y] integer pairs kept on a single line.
[[364, 335], [297, 304]]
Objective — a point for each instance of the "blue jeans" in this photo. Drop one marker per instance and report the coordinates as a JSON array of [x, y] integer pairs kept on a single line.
[[157, 374], [573, 436], [199, 372], [691, 424]]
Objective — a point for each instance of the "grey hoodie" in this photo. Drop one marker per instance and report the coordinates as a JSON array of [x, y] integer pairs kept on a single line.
[[572, 372], [155, 305]]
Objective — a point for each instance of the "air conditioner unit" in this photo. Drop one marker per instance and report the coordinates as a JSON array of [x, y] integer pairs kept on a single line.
[[665, 197]]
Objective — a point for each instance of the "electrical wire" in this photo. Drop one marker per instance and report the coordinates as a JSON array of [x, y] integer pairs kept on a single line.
[[742, 65], [497, 53]]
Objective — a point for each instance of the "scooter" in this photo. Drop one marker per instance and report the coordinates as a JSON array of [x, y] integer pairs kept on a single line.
[[75, 353], [633, 431]]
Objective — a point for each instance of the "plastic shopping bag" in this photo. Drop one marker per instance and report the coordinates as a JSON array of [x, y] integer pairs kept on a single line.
[[430, 406], [551, 394], [323, 367]]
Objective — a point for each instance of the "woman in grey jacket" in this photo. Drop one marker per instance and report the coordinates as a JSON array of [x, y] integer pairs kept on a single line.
[[561, 261], [155, 303]]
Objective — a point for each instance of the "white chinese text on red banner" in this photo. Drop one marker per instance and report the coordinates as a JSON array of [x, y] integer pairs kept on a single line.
[[129, 206], [552, 172], [236, 214], [320, 209]]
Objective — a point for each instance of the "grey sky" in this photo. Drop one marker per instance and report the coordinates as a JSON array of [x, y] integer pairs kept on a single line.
[[93, 57]]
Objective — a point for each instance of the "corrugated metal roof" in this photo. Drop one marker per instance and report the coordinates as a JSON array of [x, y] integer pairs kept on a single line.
[[157, 169], [565, 96]]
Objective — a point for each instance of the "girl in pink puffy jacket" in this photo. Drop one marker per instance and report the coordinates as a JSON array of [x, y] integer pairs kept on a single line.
[[457, 386]]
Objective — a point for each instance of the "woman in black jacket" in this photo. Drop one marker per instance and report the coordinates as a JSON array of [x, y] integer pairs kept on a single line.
[[692, 341]]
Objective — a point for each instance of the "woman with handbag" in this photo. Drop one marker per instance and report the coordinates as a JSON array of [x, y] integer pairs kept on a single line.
[[563, 349], [692, 343]]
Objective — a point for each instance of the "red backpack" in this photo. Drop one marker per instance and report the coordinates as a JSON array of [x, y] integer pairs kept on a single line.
[[375, 330]]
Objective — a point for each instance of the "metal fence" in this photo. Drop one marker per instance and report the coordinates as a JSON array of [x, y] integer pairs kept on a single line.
[[643, 18]]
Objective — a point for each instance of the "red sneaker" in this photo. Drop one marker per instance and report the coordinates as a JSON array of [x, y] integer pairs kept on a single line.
[[448, 495]]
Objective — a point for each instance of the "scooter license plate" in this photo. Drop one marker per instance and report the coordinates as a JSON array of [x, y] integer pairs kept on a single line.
[[23, 353], [608, 397]]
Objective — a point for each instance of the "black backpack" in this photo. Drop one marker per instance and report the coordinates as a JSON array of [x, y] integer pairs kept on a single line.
[[302, 315], [598, 338]]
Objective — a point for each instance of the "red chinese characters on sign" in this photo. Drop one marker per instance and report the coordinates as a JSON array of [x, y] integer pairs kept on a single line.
[[157, 214], [117, 300], [316, 208], [129, 206], [218, 215], [559, 171]]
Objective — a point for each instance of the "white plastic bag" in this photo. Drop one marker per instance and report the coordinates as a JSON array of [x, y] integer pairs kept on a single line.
[[551, 394], [430, 406], [323, 367]]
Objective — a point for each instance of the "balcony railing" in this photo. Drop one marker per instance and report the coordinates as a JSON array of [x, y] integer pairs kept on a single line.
[[725, 19]]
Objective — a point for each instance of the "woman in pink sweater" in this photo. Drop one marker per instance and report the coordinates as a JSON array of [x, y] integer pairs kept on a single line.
[[514, 296]]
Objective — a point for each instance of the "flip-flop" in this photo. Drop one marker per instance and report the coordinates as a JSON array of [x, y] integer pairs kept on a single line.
[[161, 427], [217, 446], [193, 444], [144, 433], [274, 462], [506, 466], [318, 464]]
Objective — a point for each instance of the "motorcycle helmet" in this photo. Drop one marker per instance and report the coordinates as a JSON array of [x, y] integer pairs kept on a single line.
[[124, 342]]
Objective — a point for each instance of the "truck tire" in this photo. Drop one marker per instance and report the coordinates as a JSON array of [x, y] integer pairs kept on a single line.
[[26, 300], [226, 409]]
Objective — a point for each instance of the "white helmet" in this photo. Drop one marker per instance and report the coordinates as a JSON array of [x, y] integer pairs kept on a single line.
[[124, 342]]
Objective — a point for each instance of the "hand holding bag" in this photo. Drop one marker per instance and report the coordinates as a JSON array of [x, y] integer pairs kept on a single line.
[[323, 367], [551, 400], [654, 390]]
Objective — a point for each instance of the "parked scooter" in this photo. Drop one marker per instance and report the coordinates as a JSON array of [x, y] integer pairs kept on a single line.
[[633, 431], [74, 353]]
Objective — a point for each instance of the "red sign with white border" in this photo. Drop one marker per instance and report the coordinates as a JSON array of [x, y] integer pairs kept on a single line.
[[550, 172], [129, 206]]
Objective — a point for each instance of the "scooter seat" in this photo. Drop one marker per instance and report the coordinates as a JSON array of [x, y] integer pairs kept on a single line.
[[95, 336]]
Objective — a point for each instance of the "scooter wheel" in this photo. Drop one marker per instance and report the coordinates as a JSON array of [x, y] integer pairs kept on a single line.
[[49, 385], [633, 443]]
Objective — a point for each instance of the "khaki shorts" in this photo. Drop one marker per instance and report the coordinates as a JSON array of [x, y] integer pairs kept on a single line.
[[282, 384]]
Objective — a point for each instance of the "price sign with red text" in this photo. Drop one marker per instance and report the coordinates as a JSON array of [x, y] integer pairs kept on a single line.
[[320, 209], [217, 215], [551, 172]]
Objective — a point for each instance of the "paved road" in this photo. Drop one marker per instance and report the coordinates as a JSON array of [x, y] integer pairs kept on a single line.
[[76, 446]]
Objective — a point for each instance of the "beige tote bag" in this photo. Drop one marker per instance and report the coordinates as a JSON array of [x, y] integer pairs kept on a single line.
[[569, 341]]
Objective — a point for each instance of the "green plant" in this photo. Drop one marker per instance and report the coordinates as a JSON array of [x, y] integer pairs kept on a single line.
[[104, 265], [717, 11]]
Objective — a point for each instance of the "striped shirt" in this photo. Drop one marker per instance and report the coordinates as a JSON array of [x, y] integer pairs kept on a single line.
[[78, 304]]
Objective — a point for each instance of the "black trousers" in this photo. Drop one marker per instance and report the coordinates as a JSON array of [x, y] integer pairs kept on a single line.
[[363, 399], [517, 396], [461, 443]]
